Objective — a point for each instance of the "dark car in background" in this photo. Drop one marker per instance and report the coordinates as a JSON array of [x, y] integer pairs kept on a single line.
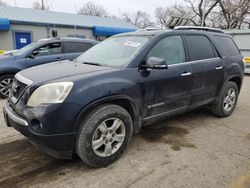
[[94, 105], [41, 52]]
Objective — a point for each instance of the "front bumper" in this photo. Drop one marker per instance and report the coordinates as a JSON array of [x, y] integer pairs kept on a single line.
[[57, 145]]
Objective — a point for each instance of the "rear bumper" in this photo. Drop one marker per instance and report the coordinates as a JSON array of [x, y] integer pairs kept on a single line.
[[57, 145]]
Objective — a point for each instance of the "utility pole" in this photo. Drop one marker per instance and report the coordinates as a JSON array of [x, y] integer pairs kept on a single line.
[[203, 13], [43, 7]]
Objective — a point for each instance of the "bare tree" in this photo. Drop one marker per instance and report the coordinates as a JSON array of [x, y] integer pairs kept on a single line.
[[201, 11], [140, 19], [37, 5], [234, 12], [3, 3], [93, 9]]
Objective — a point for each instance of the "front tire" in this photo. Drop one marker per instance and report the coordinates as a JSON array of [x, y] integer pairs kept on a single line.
[[104, 135], [5, 85], [227, 100]]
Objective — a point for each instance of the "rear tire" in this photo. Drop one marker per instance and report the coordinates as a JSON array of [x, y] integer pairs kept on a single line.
[[5, 85], [227, 100], [104, 135]]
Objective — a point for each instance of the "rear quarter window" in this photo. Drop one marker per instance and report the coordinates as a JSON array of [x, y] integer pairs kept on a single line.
[[75, 47], [226, 46], [200, 47]]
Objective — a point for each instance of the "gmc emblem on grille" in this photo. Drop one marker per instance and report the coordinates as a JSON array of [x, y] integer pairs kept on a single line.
[[14, 87]]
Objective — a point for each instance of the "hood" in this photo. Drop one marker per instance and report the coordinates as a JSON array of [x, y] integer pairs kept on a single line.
[[6, 58], [60, 70]]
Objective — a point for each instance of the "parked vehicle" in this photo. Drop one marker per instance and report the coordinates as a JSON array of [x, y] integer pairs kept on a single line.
[[9, 52], [43, 51], [94, 105], [2, 52]]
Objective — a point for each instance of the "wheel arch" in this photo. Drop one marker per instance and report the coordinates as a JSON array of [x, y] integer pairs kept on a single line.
[[124, 101], [237, 79], [12, 72]]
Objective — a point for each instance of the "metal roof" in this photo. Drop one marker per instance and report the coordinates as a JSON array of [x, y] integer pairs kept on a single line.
[[43, 17]]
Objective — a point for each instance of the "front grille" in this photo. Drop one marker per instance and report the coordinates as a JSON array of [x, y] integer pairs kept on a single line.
[[17, 90]]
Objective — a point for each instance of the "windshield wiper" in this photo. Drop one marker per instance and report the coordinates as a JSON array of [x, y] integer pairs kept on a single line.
[[90, 63]]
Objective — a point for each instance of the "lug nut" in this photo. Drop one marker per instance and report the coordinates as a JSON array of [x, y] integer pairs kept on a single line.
[[111, 140], [104, 138], [106, 142], [113, 135]]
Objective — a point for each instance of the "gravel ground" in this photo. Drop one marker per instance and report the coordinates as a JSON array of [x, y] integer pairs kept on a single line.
[[192, 150]]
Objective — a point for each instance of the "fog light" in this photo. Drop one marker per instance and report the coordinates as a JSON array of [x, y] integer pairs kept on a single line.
[[36, 124]]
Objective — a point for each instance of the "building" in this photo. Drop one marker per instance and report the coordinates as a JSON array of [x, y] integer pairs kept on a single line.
[[242, 39], [21, 26]]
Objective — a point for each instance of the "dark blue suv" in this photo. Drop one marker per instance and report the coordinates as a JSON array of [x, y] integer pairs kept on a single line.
[[93, 105], [43, 51]]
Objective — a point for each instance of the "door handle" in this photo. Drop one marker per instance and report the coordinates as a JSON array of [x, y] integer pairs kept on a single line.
[[186, 74], [218, 67]]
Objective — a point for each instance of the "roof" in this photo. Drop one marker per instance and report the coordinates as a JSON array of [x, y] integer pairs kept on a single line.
[[69, 39], [44, 17], [165, 31]]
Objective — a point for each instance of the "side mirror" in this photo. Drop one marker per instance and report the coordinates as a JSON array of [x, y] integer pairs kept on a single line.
[[31, 56], [155, 63]]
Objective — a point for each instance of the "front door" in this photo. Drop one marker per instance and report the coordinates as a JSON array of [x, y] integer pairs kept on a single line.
[[22, 39], [45, 54], [173, 85]]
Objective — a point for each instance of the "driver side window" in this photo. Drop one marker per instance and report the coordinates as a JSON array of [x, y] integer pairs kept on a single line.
[[170, 49], [48, 49]]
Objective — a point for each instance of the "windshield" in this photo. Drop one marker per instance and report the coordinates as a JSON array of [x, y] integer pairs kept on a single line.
[[114, 52], [24, 49]]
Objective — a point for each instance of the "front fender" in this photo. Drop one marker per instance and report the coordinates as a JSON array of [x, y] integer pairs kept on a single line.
[[111, 99]]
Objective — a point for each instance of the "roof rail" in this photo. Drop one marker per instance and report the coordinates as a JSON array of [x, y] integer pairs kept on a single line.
[[199, 28], [149, 29]]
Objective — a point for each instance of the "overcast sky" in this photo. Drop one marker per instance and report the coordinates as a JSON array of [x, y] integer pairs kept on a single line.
[[114, 7]]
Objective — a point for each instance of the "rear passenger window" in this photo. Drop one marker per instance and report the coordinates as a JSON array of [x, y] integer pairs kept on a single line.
[[170, 49], [226, 46], [200, 48], [74, 47]]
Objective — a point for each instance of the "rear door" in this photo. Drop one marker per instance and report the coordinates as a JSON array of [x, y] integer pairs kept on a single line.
[[47, 53], [173, 85], [74, 49], [207, 69]]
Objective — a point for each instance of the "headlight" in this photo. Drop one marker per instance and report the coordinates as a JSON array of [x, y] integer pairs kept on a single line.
[[50, 94]]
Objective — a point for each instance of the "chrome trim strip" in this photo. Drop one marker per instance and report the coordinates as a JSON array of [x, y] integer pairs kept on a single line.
[[164, 113], [13, 116], [23, 79], [192, 62], [155, 105]]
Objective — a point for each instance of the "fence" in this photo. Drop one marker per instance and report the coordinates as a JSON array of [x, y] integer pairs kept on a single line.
[[242, 39]]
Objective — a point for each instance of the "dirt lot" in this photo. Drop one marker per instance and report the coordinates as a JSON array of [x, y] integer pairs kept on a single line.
[[191, 150]]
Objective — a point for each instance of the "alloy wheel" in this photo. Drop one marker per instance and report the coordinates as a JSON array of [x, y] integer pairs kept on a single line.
[[5, 86], [108, 137], [229, 100]]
